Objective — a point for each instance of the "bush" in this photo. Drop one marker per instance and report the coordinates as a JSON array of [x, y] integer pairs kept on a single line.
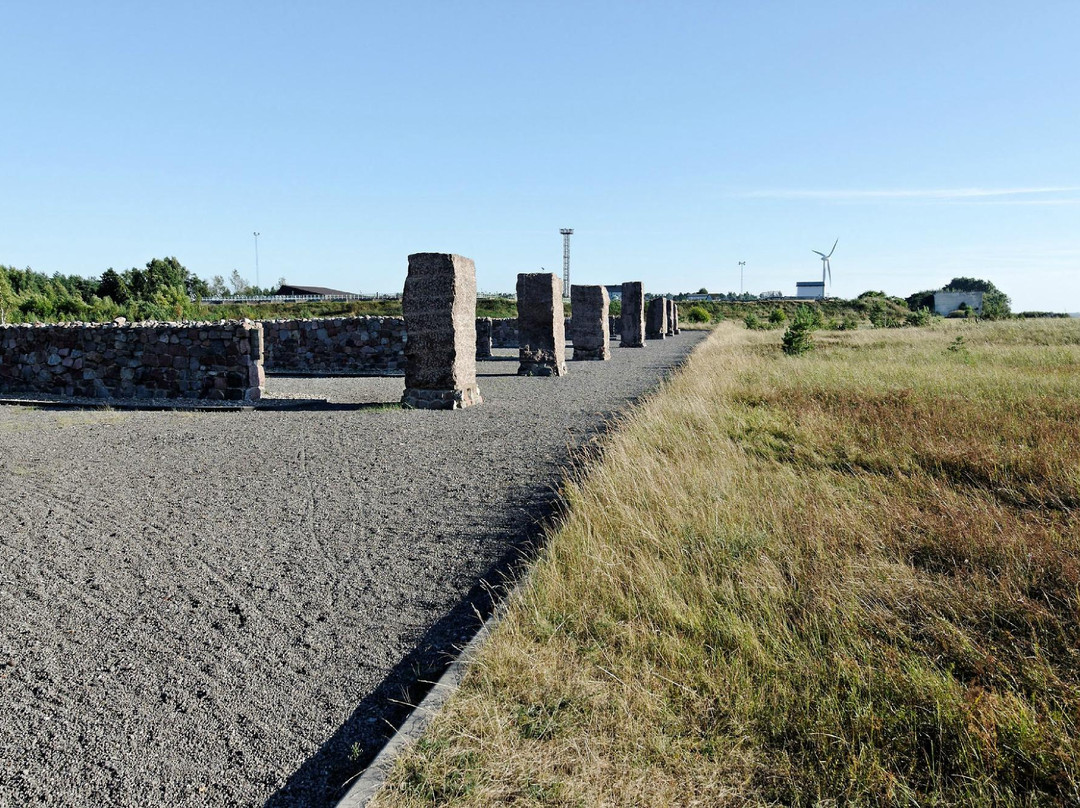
[[777, 316], [809, 317], [919, 318], [697, 314], [797, 339], [849, 323], [752, 322]]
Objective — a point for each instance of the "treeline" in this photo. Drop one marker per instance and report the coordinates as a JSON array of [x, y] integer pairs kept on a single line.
[[162, 290], [876, 308], [166, 290]]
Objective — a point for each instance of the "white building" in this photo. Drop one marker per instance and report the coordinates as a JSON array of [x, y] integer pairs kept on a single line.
[[810, 289], [947, 302]]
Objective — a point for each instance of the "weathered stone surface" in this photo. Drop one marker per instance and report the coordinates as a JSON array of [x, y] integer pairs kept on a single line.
[[670, 316], [372, 346], [656, 320], [504, 332], [614, 326], [220, 360], [439, 304], [541, 325], [589, 330], [483, 337], [675, 307], [633, 315]]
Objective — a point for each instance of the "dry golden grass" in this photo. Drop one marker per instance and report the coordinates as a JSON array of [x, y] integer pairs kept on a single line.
[[846, 578]]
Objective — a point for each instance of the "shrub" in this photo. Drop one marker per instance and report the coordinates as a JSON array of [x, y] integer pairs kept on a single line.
[[809, 317], [919, 318], [797, 339], [752, 322], [849, 323], [697, 314], [777, 316]]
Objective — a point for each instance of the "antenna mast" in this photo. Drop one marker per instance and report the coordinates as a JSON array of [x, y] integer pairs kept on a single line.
[[566, 233]]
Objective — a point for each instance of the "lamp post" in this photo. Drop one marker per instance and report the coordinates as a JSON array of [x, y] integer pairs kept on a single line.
[[257, 284], [741, 265]]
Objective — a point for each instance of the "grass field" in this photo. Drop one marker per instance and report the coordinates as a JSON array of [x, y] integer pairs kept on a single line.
[[848, 578]]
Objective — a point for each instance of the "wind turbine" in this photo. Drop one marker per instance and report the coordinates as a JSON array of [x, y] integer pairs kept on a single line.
[[825, 267]]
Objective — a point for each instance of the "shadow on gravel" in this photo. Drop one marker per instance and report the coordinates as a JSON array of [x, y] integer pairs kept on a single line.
[[324, 778], [326, 406]]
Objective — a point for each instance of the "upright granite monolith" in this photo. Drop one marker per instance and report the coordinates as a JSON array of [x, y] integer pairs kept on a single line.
[[656, 320], [439, 305], [483, 337], [633, 315], [541, 327], [589, 322], [670, 316], [675, 310]]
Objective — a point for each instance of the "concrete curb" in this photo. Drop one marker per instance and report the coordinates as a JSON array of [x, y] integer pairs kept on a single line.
[[374, 776]]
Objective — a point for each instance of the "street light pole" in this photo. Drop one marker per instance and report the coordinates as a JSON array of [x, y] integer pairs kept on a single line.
[[741, 265], [257, 284]]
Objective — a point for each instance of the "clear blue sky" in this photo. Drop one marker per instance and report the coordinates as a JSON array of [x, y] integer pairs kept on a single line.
[[934, 139]]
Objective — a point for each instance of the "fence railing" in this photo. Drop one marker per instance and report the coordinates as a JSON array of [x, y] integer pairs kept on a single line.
[[294, 298]]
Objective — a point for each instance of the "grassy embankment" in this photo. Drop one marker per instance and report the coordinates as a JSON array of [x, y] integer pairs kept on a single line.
[[845, 578]]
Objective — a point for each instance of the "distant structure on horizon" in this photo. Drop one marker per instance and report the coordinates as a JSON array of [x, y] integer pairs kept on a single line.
[[289, 289], [810, 289], [816, 289], [566, 233], [947, 302]]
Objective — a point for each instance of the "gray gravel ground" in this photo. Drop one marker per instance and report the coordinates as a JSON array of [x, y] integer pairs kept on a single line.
[[221, 608]]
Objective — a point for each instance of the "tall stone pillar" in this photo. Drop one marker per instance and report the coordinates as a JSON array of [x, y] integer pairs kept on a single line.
[[656, 320], [589, 322], [675, 306], [670, 304], [633, 315], [541, 327], [439, 305], [483, 337]]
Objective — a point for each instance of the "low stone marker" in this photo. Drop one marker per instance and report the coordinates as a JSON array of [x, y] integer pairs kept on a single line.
[[541, 327], [483, 337], [633, 315], [670, 316], [656, 321], [589, 322], [439, 306]]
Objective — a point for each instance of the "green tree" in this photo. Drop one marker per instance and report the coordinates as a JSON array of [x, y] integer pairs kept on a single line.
[[8, 300], [114, 286]]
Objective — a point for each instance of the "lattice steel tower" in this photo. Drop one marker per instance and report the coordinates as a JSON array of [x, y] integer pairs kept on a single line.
[[566, 233]]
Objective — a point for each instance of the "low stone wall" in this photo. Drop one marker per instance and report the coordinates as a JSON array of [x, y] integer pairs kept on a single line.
[[216, 361], [504, 332], [358, 345]]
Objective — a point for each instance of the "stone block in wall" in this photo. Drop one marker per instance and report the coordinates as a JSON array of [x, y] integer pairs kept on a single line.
[[541, 325], [439, 304], [589, 329], [632, 327]]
